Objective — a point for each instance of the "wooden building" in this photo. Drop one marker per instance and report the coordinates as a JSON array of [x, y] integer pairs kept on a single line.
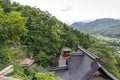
[[82, 65]]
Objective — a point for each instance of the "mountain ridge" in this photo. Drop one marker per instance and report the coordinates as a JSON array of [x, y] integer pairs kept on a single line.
[[104, 26]]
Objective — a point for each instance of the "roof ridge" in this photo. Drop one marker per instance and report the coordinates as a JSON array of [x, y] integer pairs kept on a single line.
[[91, 55]]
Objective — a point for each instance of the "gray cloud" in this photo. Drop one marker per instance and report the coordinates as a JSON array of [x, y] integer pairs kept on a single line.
[[66, 9]]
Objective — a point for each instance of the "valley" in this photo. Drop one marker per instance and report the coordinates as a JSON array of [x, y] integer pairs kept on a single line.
[[113, 42], [35, 45], [105, 30], [107, 27]]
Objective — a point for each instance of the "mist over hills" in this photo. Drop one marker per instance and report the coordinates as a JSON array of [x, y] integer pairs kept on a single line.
[[105, 26]]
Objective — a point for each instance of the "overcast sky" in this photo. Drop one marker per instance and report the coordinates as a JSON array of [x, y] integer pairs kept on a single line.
[[77, 10]]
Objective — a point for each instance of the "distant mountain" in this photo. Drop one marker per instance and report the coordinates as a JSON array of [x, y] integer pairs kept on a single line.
[[78, 25], [106, 26]]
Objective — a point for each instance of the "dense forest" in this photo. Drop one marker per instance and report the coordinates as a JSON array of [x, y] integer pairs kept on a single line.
[[36, 33], [40, 35]]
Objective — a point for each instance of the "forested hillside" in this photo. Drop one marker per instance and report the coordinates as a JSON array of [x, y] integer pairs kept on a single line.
[[28, 32], [36, 34], [106, 27], [107, 31], [111, 61]]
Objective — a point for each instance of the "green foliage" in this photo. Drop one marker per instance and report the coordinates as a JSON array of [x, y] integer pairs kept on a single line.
[[1, 10], [6, 5], [7, 57], [46, 33], [19, 72], [45, 76], [11, 27], [118, 65], [40, 31], [29, 71], [113, 42], [104, 51], [109, 40], [4, 59], [43, 59]]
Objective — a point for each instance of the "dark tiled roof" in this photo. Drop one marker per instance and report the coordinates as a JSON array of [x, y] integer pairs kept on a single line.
[[92, 56], [59, 68], [98, 66], [81, 66], [106, 72]]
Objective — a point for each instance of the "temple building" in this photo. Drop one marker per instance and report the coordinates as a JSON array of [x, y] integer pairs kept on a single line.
[[81, 65]]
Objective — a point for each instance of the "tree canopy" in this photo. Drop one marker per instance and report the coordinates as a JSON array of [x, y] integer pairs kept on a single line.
[[12, 26], [104, 51], [45, 76], [45, 36]]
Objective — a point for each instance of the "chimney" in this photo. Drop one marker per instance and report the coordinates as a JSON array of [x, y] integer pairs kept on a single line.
[[64, 56]]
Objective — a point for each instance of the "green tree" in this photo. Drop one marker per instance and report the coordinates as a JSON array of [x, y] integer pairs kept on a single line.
[[43, 59], [40, 31], [12, 26], [118, 60], [45, 76], [104, 51], [7, 56], [4, 59]]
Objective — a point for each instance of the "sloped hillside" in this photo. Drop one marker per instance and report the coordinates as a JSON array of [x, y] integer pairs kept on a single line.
[[36, 29], [107, 27]]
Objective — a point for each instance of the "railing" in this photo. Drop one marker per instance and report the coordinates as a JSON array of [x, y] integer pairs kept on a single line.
[[7, 70]]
